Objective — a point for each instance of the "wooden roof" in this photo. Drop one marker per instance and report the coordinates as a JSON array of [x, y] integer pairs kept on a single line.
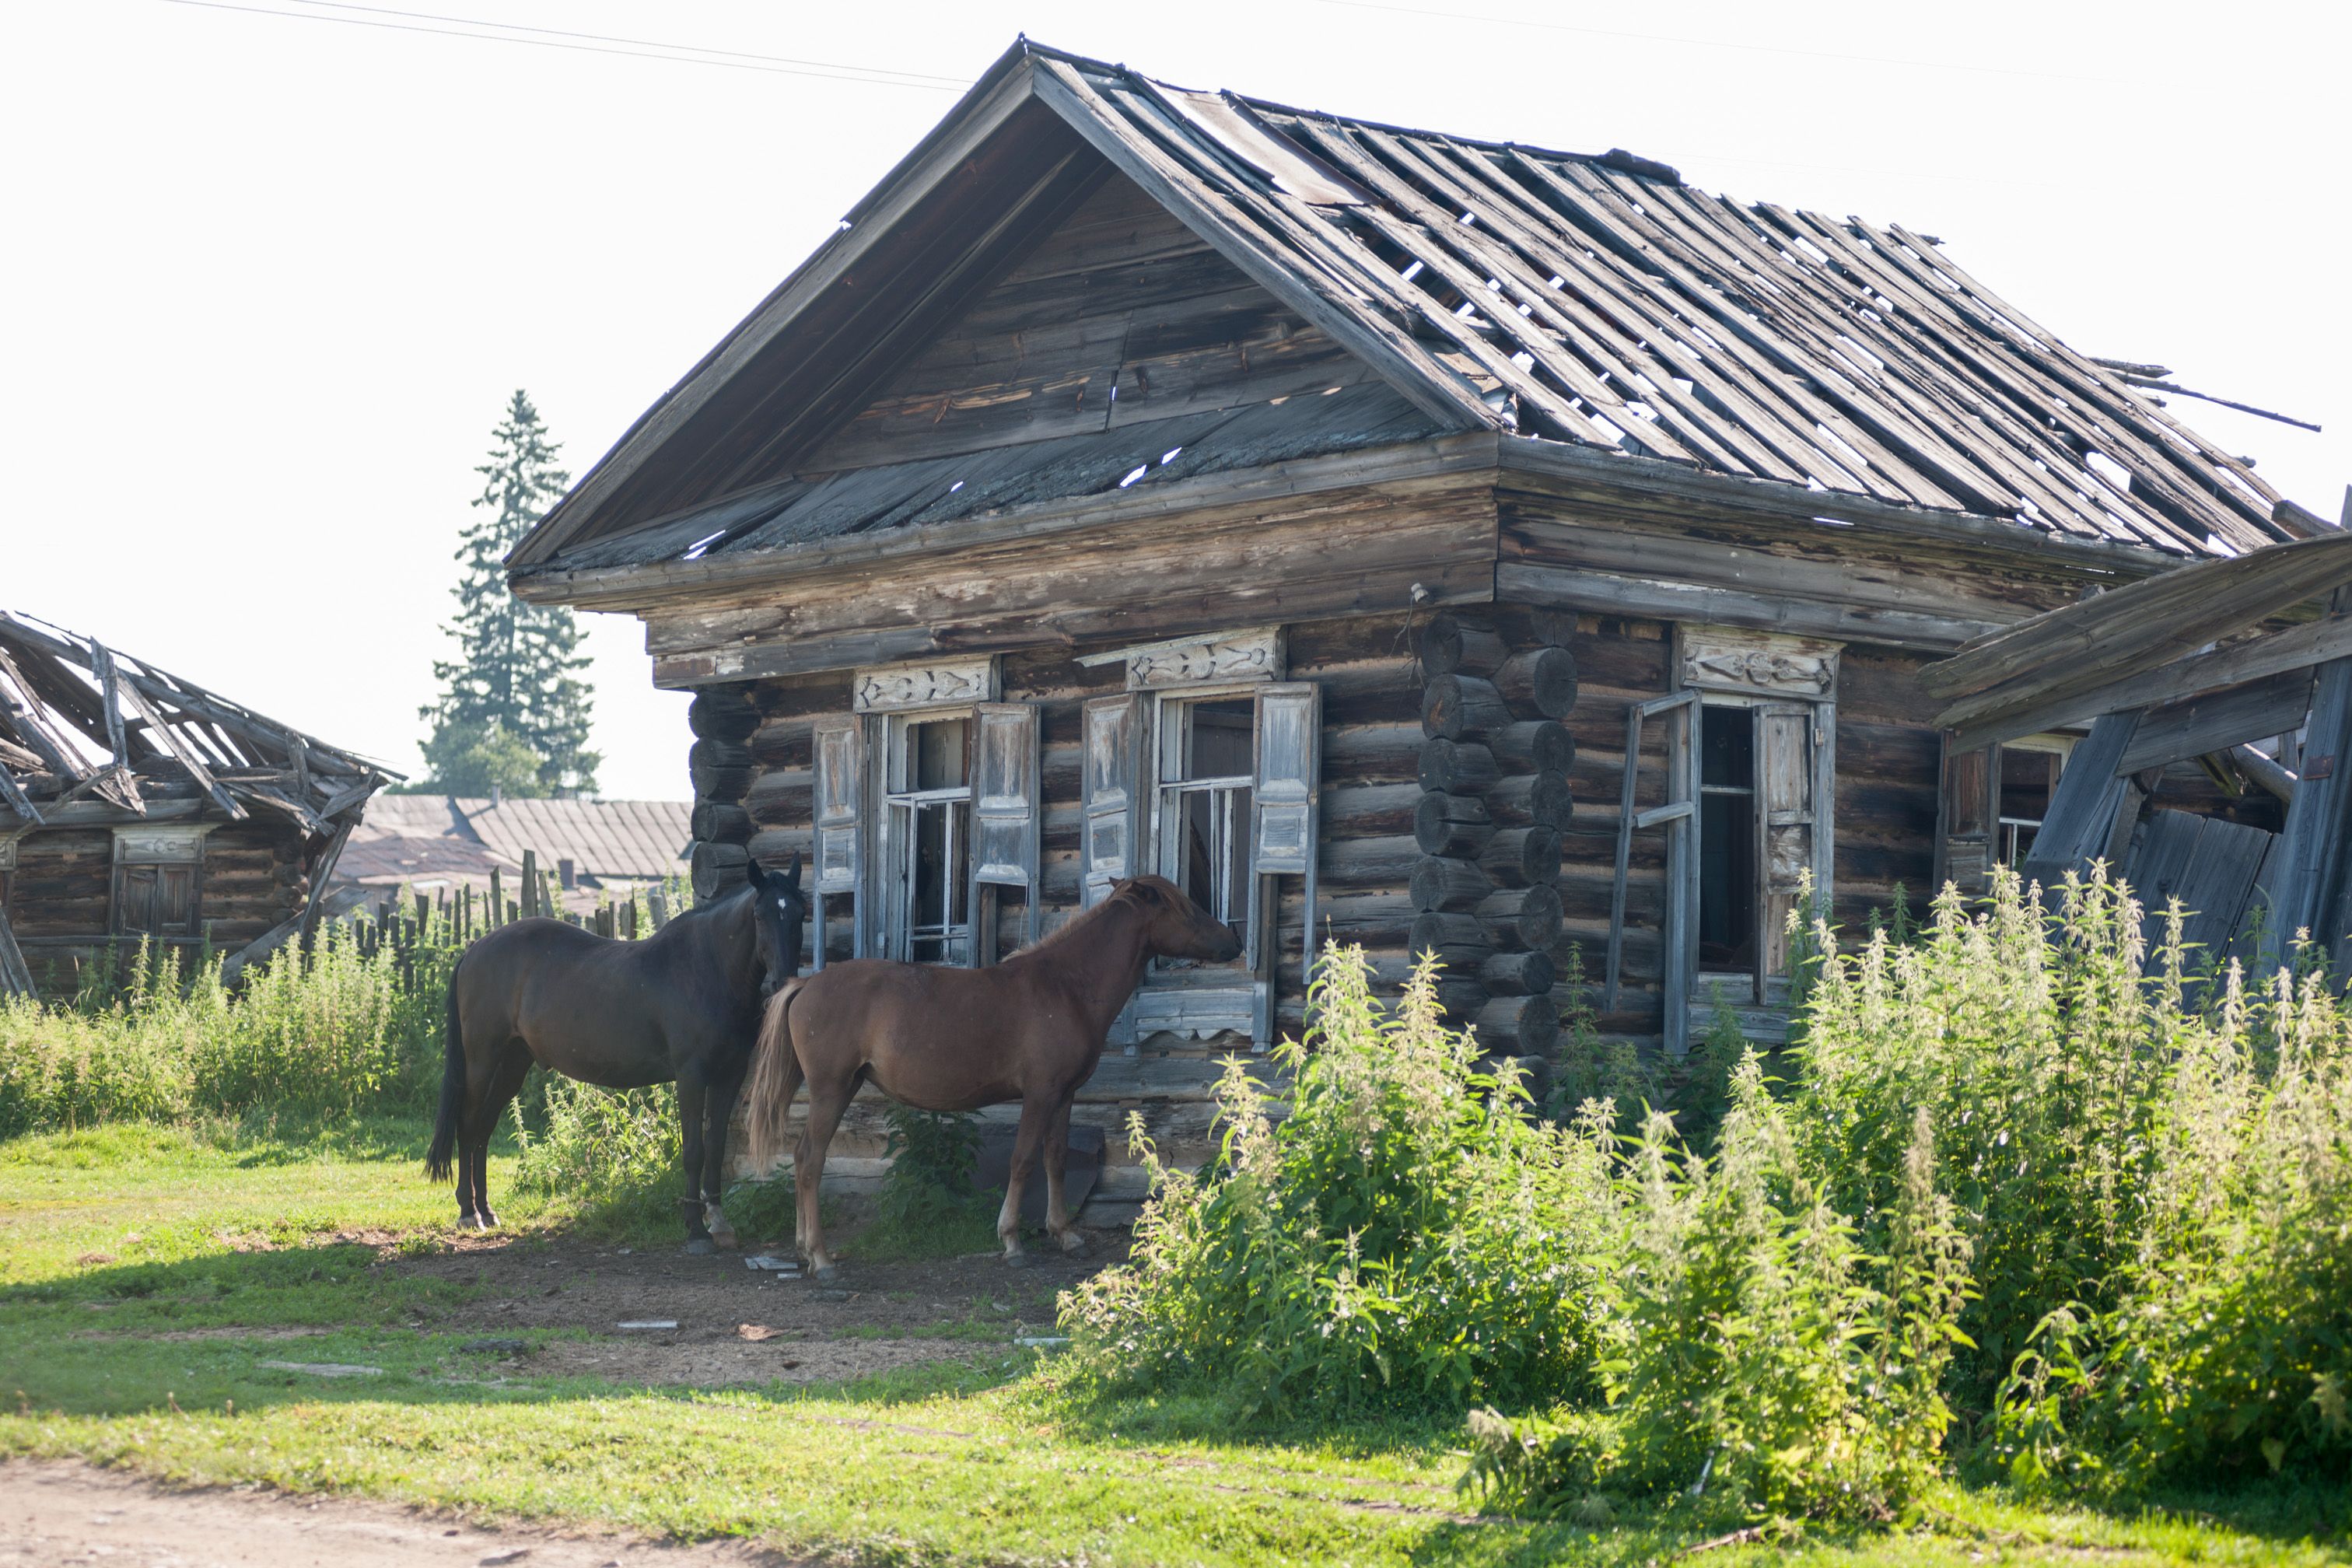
[[1578, 301], [80, 720]]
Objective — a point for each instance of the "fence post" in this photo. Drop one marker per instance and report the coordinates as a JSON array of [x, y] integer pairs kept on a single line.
[[497, 899], [531, 888]]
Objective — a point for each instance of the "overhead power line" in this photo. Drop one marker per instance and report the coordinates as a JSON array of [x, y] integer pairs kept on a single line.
[[591, 42], [1692, 42]]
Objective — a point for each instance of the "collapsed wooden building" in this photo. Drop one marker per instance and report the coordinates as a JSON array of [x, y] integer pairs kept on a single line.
[[1394, 538], [138, 807], [2243, 666]]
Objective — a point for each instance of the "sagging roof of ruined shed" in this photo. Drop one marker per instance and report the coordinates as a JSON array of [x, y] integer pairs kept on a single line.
[[1592, 300], [81, 721]]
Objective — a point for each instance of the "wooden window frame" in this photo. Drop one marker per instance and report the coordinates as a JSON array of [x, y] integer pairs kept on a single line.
[[894, 935], [145, 862], [1165, 823], [1772, 674]]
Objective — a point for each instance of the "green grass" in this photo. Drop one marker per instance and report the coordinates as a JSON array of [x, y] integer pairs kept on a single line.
[[114, 1238]]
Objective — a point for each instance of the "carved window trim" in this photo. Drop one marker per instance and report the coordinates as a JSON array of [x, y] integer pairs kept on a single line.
[[1256, 654], [1762, 664], [925, 683]]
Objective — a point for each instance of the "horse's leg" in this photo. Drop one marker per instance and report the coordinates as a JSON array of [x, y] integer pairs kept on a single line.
[[506, 1082], [691, 1098], [826, 1104], [1057, 1211], [719, 1111], [1036, 1115]]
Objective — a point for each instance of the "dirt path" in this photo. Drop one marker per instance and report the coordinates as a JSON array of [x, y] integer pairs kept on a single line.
[[57, 1513], [877, 1317]]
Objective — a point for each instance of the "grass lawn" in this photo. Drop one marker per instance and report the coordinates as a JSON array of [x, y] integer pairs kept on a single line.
[[147, 1276]]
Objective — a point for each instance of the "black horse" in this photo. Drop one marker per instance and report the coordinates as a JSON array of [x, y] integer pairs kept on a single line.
[[682, 1006]]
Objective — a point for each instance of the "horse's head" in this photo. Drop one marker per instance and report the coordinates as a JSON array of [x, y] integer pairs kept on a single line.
[[778, 909], [1176, 927]]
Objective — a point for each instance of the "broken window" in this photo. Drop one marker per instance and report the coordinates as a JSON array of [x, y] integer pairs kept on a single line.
[[927, 826]]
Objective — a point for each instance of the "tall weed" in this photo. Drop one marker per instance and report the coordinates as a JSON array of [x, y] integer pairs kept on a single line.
[[326, 1032], [1403, 1236], [613, 1153], [1764, 1362]]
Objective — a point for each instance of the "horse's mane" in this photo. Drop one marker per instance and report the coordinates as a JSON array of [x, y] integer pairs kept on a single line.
[[1062, 933]]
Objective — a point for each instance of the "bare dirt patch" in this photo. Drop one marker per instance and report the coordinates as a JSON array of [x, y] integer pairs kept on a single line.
[[541, 1283], [56, 1512]]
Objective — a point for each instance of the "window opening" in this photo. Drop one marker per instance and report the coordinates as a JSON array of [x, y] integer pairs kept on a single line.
[[2028, 778], [928, 803], [1727, 837], [1207, 773]]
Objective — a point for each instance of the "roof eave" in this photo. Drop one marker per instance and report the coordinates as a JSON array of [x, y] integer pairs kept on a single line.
[[1479, 456]]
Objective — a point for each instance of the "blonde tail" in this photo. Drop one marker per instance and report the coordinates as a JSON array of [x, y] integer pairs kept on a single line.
[[775, 1078]]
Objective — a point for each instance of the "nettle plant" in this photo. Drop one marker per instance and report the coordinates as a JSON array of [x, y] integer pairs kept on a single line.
[[1764, 1362], [1404, 1236], [2152, 1164]]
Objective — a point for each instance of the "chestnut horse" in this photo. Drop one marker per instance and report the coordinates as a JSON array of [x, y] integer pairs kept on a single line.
[[682, 1005], [1030, 1028]]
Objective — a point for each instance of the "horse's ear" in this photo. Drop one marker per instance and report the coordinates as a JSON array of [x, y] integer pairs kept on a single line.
[[792, 873], [758, 875]]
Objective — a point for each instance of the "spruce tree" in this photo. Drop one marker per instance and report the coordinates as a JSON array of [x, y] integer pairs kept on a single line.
[[513, 709]]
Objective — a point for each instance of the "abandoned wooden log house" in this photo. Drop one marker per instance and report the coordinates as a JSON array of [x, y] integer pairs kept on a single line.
[[1394, 538], [138, 807]]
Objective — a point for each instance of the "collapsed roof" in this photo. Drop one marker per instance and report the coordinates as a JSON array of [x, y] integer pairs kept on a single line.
[[1586, 301], [81, 721]]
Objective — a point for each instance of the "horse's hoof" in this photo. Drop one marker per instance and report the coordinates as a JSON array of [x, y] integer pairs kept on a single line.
[[700, 1246], [1075, 1243], [1016, 1260], [489, 1220], [827, 1274]]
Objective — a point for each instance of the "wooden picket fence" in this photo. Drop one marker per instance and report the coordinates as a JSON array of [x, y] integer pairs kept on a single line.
[[452, 918]]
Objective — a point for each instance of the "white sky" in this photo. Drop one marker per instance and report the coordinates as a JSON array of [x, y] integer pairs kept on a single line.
[[268, 282]]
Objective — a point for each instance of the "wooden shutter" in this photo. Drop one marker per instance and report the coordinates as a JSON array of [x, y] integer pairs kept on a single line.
[[1111, 794], [1967, 827], [1786, 829], [840, 747], [1004, 806], [134, 900], [175, 900], [1678, 814], [1282, 810]]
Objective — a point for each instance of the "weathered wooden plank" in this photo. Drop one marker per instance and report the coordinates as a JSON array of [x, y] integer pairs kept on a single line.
[[2268, 654], [2082, 813], [2216, 720], [2136, 628], [1570, 588]]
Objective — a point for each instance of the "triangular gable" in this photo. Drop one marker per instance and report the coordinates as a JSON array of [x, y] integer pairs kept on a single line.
[[1119, 317]]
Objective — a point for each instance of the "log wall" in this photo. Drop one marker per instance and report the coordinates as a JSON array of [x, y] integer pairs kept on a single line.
[[61, 895], [1372, 749]]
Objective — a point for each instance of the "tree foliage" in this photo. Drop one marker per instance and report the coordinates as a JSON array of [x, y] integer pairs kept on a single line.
[[513, 709]]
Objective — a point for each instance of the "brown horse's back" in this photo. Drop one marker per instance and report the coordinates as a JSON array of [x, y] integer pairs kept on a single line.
[[940, 1038]]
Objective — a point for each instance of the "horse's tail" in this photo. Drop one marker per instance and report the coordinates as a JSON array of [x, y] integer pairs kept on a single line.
[[453, 1092], [775, 1078]]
